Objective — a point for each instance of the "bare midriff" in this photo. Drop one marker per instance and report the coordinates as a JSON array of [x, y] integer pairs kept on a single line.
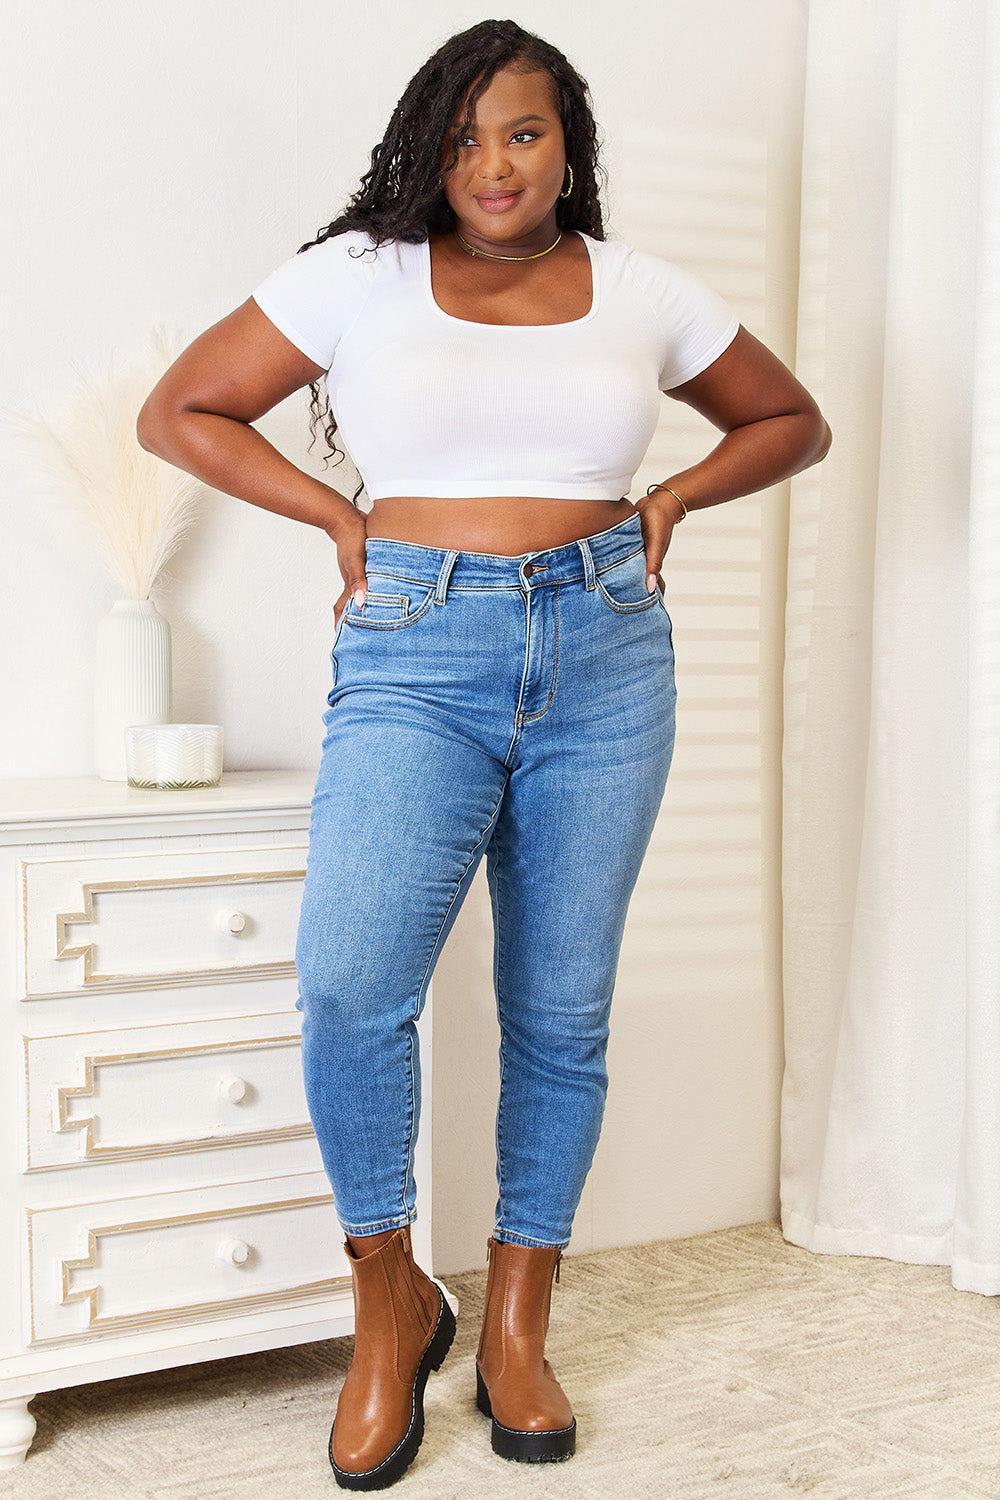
[[503, 524]]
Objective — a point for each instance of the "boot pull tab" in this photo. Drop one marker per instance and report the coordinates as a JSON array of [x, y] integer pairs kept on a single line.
[[489, 1250]]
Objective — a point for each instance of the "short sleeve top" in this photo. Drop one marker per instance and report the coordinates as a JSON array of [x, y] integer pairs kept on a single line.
[[431, 404]]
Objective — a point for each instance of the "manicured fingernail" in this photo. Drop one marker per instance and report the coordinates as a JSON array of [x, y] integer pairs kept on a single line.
[[359, 597], [650, 582]]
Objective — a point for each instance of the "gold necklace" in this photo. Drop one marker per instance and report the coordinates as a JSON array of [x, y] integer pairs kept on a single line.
[[537, 256]]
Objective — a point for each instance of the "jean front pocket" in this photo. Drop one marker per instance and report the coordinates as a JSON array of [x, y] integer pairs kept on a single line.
[[390, 611], [622, 585]]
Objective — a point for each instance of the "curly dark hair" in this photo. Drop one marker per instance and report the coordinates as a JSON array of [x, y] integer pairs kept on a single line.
[[401, 196]]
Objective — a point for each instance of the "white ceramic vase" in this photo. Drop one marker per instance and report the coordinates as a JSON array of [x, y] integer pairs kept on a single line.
[[131, 681]]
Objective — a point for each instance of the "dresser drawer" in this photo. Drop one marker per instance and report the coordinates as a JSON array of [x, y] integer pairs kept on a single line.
[[158, 1090], [173, 1258], [144, 920]]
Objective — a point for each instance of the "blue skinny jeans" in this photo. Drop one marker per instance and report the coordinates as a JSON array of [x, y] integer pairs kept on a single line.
[[521, 707]]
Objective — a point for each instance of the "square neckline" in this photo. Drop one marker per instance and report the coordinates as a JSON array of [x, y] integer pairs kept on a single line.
[[595, 294]]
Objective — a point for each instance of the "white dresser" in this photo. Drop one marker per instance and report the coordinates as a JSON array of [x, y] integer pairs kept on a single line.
[[162, 1197]]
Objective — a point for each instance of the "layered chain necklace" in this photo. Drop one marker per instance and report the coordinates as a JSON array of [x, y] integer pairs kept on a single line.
[[487, 255]]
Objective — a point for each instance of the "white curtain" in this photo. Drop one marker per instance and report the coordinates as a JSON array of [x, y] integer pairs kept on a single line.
[[891, 1097]]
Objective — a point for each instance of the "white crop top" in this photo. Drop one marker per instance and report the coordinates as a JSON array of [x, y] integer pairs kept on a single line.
[[429, 404]]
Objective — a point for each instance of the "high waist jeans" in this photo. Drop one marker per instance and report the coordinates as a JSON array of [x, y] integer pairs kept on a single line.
[[521, 707]]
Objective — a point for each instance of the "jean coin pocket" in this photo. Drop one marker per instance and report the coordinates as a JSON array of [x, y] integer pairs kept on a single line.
[[389, 611]]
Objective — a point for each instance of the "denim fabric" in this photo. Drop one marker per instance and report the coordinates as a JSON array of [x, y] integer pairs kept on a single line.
[[517, 707]]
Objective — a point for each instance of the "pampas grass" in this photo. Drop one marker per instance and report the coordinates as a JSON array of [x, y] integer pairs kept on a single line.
[[135, 508]]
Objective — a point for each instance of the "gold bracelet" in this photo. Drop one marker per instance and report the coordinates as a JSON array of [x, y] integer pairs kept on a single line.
[[680, 502]]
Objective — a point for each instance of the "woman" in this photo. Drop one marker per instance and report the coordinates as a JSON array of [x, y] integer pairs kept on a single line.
[[503, 667]]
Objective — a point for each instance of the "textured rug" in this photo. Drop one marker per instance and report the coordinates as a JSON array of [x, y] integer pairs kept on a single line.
[[727, 1365]]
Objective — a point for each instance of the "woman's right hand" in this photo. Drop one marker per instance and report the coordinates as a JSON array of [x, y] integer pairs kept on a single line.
[[349, 537]]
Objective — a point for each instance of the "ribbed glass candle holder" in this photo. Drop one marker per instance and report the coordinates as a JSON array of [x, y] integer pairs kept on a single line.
[[174, 755]]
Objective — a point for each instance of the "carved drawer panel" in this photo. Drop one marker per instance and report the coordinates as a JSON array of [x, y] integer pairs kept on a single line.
[[174, 1258], [152, 919], [156, 1090]]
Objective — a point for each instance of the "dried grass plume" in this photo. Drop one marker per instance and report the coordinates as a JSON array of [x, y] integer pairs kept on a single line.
[[135, 508]]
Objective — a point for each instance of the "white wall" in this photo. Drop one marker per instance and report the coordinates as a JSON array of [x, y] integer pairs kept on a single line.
[[161, 161]]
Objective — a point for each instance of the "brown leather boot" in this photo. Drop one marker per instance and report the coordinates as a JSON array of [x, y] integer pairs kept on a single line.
[[403, 1328], [532, 1419]]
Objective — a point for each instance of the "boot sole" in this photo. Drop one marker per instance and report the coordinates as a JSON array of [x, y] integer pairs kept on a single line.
[[545, 1447], [395, 1464]]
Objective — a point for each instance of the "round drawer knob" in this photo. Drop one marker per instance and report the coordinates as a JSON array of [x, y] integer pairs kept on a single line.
[[232, 1089], [236, 1252], [236, 922]]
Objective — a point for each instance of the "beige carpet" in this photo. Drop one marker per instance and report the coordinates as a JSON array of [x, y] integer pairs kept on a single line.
[[727, 1365]]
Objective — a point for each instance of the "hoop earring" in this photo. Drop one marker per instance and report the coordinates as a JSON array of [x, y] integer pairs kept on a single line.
[[570, 188]]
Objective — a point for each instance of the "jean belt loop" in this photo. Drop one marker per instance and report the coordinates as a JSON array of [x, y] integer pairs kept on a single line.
[[588, 562], [441, 593]]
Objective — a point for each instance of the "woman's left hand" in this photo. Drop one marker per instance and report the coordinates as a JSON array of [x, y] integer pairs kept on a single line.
[[657, 516]]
